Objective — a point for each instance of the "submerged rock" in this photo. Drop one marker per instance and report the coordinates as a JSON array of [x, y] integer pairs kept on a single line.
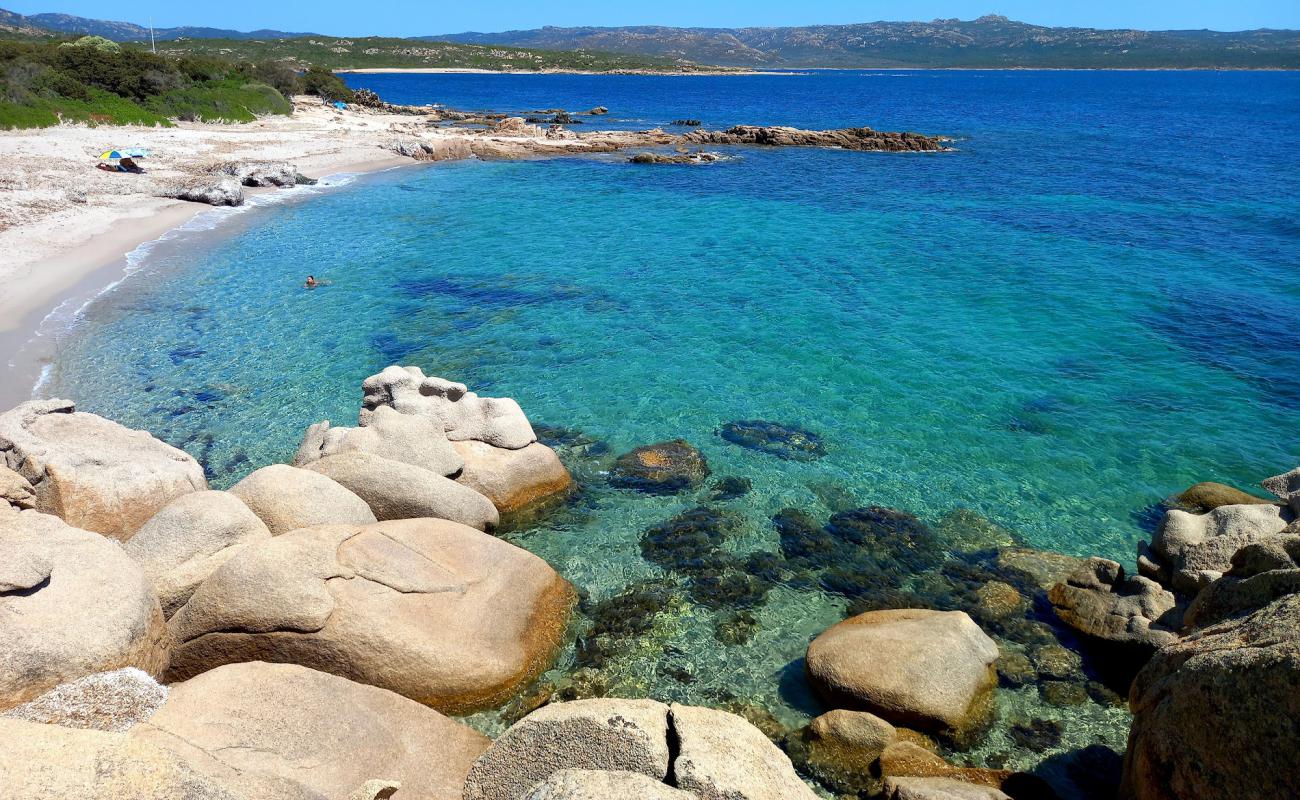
[[92, 472], [433, 610], [1214, 714], [691, 541], [782, 441], [73, 604], [730, 488], [699, 157], [663, 468], [928, 670]]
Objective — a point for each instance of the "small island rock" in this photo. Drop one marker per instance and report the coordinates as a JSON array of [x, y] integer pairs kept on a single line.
[[663, 468]]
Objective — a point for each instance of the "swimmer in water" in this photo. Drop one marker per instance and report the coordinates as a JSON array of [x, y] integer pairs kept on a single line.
[[311, 283]]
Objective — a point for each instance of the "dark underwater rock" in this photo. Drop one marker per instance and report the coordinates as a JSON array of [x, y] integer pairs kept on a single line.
[[894, 540], [782, 441], [730, 488], [662, 468], [691, 541]]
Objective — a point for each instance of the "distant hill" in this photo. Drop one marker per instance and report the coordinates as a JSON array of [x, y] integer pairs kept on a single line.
[[991, 41], [127, 31], [16, 26]]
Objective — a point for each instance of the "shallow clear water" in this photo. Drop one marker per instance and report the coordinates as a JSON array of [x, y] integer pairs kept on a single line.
[[1087, 307]]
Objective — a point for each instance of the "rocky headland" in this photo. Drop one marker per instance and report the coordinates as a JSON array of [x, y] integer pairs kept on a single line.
[[313, 631]]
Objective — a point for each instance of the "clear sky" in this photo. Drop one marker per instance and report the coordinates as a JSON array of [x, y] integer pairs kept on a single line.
[[417, 17]]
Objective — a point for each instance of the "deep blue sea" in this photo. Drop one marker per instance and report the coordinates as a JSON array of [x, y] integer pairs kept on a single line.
[[1091, 304]]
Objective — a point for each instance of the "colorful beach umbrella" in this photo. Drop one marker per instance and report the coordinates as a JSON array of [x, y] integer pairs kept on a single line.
[[131, 152]]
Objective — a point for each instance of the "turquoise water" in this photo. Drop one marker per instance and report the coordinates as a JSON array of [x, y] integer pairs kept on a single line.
[[1087, 307]]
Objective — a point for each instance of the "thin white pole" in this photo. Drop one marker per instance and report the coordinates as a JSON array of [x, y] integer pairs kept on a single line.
[[152, 44]]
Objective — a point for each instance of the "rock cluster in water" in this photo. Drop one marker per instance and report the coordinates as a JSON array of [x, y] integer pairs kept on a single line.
[[316, 621]]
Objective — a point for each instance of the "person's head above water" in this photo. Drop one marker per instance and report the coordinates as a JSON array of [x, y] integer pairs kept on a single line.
[[311, 280]]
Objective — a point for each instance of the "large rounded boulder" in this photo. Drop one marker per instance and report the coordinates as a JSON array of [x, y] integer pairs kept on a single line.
[[431, 609], [288, 498], [1216, 715], [92, 472], [1189, 551], [71, 604], [397, 490], [414, 439], [297, 726], [512, 479], [929, 670], [189, 538]]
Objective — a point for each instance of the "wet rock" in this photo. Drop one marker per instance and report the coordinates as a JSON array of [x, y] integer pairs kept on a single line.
[[397, 490], [893, 541], [212, 191], [1014, 668], [93, 473], [1133, 615], [663, 468], [298, 727], [73, 604], [928, 670], [105, 701], [1196, 549], [1036, 734], [967, 531], [433, 610], [1207, 496], [1215, 712], [783, 441], [417, 440], [598, 111], [691, 541], [444, 148], [599, 734], [722, 757], [906, 759], [997, 600], [1042, 568], [590, 784], [687, 123], [844, 139], [804, 540], [498, 421], [730, 488], [1062, 693], [1054, 661], [840, 749], [288, 498], [513, 479], [939, 789], [189, 538]]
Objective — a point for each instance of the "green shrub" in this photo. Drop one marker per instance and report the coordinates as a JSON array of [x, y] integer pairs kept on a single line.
[[325, 84], [220, 101]]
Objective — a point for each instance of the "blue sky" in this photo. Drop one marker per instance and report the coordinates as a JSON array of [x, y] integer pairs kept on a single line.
[[414, 18]]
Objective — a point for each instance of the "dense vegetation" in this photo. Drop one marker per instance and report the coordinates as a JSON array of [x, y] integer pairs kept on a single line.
[[376, 52], [95, 80]]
